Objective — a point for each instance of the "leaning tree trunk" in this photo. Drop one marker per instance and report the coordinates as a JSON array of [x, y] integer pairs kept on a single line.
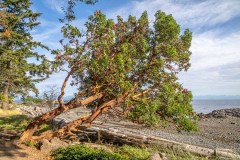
[[86, 121], [83, 122], [32, 127], [5, 102], [80, 123]]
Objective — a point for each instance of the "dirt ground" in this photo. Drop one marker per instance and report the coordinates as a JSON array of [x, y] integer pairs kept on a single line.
[[10, 149]]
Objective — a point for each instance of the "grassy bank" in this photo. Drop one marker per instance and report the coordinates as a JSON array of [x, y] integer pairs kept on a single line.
[[110, 152], [4, 113], [14, 120]]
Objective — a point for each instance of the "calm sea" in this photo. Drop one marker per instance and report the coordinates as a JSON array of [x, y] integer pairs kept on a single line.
[[207, 106]]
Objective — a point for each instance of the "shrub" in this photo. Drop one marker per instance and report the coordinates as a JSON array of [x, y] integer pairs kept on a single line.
[[135, 153], [82, 152], [171, 105]]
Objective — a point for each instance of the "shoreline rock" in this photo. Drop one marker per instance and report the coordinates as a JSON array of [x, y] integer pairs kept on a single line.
[[222, 113]]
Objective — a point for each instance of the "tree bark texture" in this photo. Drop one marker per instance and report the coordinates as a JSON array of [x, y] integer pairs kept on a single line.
[[31, 128], [5, 103]]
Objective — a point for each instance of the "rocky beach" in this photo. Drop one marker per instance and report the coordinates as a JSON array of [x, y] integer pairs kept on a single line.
[[219, 129]]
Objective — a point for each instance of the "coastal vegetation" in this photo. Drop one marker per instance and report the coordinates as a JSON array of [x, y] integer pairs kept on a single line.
[[13, 122], [125, 152], [125, 67], [18, 75]]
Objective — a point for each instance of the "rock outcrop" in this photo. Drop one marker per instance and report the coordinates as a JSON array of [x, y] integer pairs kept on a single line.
[[221, 113]]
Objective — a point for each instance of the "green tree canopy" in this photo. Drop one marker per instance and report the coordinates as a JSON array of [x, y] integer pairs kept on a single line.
[[18, 75], [132, 65]]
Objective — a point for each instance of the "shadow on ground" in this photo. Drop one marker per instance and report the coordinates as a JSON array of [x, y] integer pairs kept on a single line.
[[8, 147]]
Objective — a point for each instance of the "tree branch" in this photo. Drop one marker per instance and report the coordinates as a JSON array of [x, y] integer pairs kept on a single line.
[[63, 88]]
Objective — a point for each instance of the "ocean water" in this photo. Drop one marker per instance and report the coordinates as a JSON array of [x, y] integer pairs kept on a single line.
[[207, 106]]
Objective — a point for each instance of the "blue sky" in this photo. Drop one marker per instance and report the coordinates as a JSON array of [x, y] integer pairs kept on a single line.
[[215, 46]]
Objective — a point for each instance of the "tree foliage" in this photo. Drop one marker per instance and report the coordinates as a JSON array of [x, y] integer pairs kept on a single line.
[[124, 59], [18, 75], [129, 67]]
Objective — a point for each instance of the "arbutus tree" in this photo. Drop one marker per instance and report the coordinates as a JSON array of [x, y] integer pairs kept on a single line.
[[126, 64]]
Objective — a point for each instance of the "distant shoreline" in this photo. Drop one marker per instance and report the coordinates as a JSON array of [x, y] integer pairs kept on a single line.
[[206, 106], [214, 97]]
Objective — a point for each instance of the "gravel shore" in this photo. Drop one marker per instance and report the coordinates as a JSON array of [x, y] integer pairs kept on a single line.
[[217, 130], [213, 133]]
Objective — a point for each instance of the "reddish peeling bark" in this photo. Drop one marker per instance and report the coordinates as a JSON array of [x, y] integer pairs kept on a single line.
[[86, 122], [82, 122], [63, 88], [31, 128]]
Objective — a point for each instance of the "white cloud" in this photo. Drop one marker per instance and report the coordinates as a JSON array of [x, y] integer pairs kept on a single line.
[[214, 60], [187, 13], [45, 35], [210, 50], [212, 53], [56, 5], [49, 33], [215, 65]]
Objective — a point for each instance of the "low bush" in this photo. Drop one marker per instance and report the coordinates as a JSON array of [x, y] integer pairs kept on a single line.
[[82, 152], [134, 153]]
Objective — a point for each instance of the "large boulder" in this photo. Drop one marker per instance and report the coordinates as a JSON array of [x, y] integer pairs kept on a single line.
[[157, 156], [59, 122], [235, 112], [46, 146], [49, 146], [219, 113]]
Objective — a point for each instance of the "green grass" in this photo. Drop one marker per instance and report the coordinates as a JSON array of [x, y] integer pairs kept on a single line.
[[82, 152], [135, 153], [13, 112], [43, 128], [14, 122]]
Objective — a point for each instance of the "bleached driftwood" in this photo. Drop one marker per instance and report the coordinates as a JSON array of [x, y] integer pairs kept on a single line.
[[130, 137]]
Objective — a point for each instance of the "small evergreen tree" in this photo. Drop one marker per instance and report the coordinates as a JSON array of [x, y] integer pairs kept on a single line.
[[18, 75]]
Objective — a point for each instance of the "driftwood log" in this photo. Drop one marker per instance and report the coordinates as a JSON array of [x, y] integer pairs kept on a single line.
[[100, 132]]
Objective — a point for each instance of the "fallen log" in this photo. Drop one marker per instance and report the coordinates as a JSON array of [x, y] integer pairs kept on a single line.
[[126, 136]]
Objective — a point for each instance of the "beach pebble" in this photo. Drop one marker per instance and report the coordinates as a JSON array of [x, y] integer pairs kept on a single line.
[[155, 157]]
